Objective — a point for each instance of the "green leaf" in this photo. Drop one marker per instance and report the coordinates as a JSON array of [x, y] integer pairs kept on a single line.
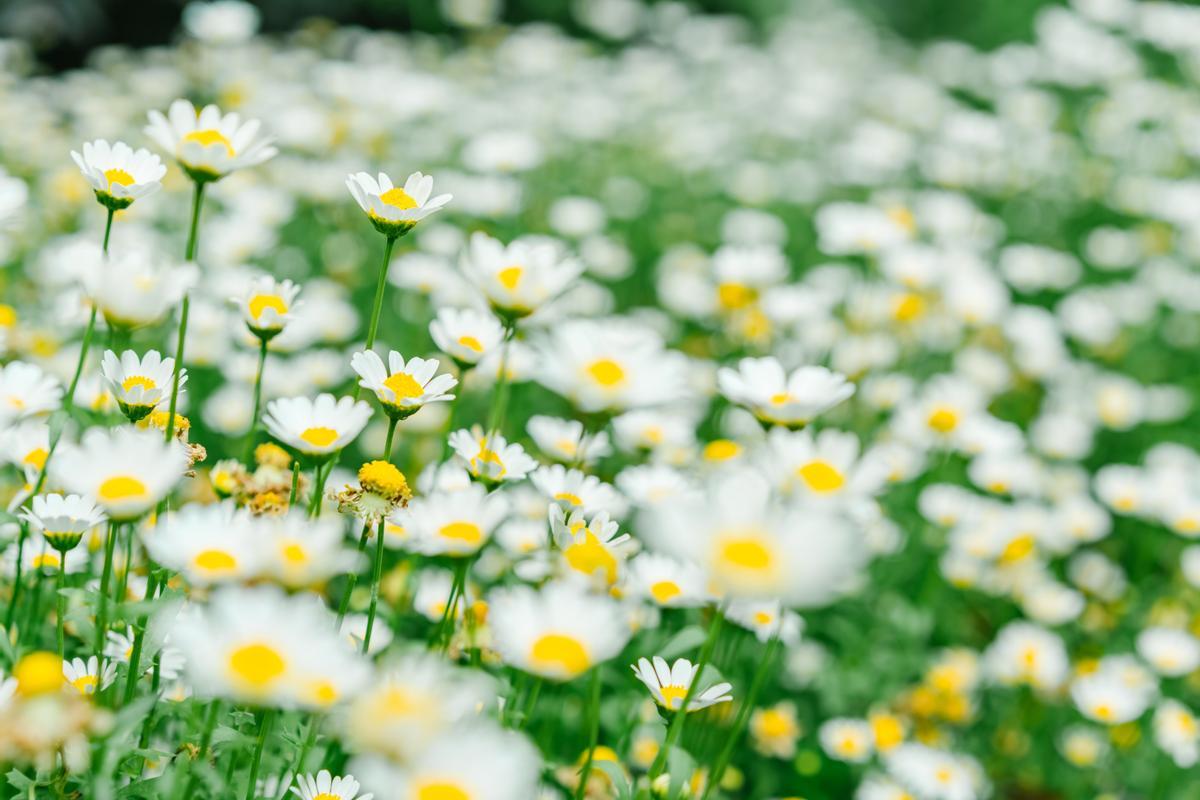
[[620, 780], [19, 780], [683, 642]]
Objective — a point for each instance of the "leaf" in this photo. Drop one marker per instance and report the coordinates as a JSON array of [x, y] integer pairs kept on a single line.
[[56, 422], [683, 642], [620, 781], [19, 780], [681, 765]]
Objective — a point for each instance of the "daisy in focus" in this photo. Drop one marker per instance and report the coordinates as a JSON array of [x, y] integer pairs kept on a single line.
[[139, 384], [402, 388], [670, 684], [394, 210], [118, 174], [316, 428], [267, 305], [206, 143]]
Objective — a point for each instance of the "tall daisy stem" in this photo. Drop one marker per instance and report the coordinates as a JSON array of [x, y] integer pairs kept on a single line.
[[258, 379], [501, 391], [189, 255], [110, 542], [445, 629], [739, 722], [677, 722], [139, 638], [593, 733], [60, 612], [264, 730], [380, 285], [377, 572]]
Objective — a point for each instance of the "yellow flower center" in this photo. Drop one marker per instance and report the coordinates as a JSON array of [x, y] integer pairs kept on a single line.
[[119, 176], [85, 684], [780, 398], [261, 302], [404, 385], [573, 500], [209, 137], [774, 724], [1018, 549], [849, 746], [46, 560], [36, 457], [821, 477], [319, 436], [134, 381], [327, 796], [215, 561], [732, 296], [721, 450], [38, 673], [323, 693], [442, 791], [665, 591], [382, 478], [294, 553], [8, 316], [121, 487], [486, 457], [471, 343], [746, 552], [673, 696], [908, 307], [606, 372], [509, 277], [1103, 712], [943, 419], [398, 198], [257, 665], [943, 775], [590, 556], [763, 618], [465, 532], [561, 653]]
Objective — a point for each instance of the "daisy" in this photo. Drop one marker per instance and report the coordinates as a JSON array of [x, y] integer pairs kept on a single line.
[[135, 289], [453, 523], [63, 520], [476, 762], [566, 440], [208, 144], [382, 492], [118, 647], [1024, 653], [576, 490], [936, 774], [820, 467], [590, 548], [1113, 694], [39, 555], [666, 581], [1177, 732], [669, 685], [26, 444], [354, 630], [300, 552], [139, 384], [392, 210], [118, 174], [519, 278], [89, 677], [558, 632], [766, 619], [128, 471], [402, 388], [845, 739], [26, 390], [267, 305], [762, 386], [208, 544], [316, 428], [1171, 652], [490, 458], [324, 786], [466, 335], [775, 729]]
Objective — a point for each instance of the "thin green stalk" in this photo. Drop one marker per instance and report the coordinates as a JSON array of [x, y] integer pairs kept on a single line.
[[189, 255], [258, 377], [35, 607], [352, 578], [445, 629], [107, 230], [676, 728], [530, 702], [264, 730], [105, 579], [376, 576], [739, 722], [298, 768], [377, 306], [501, 390], [69, 397], [295, 483], [11, 614], [593, 733], [60, 612], [320, 475], [123, 584], [139, 637]]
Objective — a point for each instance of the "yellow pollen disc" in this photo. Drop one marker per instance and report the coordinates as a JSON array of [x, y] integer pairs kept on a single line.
[[46, 560], [85, 684], [561, 653], [38, 673], [903, 217], [1018, 549], [466, 532], [208, 138], [261, 302], [571, 499], [398, 198], [590, 556], [119, 176], [134, 381], [488, 457], [665, 591], [215, 561], [943, 420], [404, 385], [294, 553], [748, 554], [943, 775], [441, 791], [326, 694], [763, 618], [471, 343], [721, 450], [8, 316], [732, 296], [821, 477], [673, 696], [780, 399], [257, 665], [908, 307], [36, 457], [121, 487], [606, 372], [326, 796], [1103, 712], [773, 724], [319, 437], [849, 746], [1029, 658], [509, 277]]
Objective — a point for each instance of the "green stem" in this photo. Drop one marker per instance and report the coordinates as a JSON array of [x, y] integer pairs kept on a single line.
[[262, 362], [295, 483], [501, 390], [11, 614], [123, 585], [530, 702], [739, 722], [376, 576], [61, 605], [298, 768], [105, 579], [189, 255], [380, 285], [319, 478], [264, 730], [677, 722], [69, 398], [593, 733], [107, 230], [139, 637], [445, 627], [352, 578]]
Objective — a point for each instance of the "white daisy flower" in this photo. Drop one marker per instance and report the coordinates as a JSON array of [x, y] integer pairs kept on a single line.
[[452, 523], [89, 677], [763, 387], [140, 384], [845, 739], [26, 390], [26, 444], [669, 685], [575, 489], [267, 305], [317, 427], [466, 335], [591, 548], [208, 144], [63, 520], [519, 278], [491, 458], [127, 470], [118, 174], [135, 289], [666, 581], [208, 544], [394, 211], [566, 440], [402, 387], [323, 786]]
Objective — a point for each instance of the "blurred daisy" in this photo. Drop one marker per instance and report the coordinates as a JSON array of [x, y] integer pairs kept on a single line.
[[491, 459], [267, 305], [402, 387], [665, 581], [319, 427], [669, 685], [558, 632], [574, 489], [566, 440], [26, 444], [466, 335], [762, 386], [394, 211], [591, 548], [208, 144], [519, 278], [775, 729], [845, 739], [26, 390], [128, 471], [476, 762], [453, 523], [136, 289], [118, 174], [208, 544], [323, 786], [63, 520], [139, 384], [89, 677]]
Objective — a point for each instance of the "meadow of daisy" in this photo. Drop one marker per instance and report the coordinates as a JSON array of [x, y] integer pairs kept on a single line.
[[678, 406]]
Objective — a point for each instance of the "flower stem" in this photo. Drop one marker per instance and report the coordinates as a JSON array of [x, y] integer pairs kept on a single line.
[[107, 230], [262, 362], [380, 284], [189, 255], [264, 730], [11, 613], [677, 722], [376, 576], [61, 605], [320, 475], [110, 542], [445, 629], [501, 390], [352, 578], [739, 722], [593, 733], [139, 637]]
